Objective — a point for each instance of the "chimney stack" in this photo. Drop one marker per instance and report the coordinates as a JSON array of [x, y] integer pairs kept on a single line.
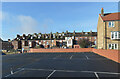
[[66, 31], [74, 32], [82, 31], [9, 40], [102, 12], [90, 31]]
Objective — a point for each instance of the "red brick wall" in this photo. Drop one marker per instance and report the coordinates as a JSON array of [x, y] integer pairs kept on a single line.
[[110, 54], [62, 50]]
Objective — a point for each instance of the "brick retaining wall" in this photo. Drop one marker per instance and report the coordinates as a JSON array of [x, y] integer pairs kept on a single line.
[[62, 50], [110, 54]]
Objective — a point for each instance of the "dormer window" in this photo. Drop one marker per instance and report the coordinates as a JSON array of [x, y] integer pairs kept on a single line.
[[59, 34], [111, 24], [86, 33], [34, 35], [31, 37], [46, 36], [39, 36]]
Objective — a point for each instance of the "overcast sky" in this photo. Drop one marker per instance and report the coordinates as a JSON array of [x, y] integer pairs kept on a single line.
[[35, 17]]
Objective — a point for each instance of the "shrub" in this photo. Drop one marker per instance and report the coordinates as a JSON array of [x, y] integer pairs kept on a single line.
[[84, 43]]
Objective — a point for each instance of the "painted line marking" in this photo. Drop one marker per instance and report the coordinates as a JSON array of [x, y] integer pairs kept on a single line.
[[51, 74], [101, 72], [96, 75], [15, 72], [72, 71], [71, 57], [56, 57], [39, 69], [87, 57]]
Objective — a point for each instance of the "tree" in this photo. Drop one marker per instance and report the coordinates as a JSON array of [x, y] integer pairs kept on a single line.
[[84, 43], [41, 46]]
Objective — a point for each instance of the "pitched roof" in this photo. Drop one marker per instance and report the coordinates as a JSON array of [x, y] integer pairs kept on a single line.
[[111, 16]]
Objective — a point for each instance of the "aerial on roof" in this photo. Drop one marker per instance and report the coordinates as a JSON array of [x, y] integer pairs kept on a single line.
[[111, 16]]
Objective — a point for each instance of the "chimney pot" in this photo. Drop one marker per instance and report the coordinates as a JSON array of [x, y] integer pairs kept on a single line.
[[102, 12]]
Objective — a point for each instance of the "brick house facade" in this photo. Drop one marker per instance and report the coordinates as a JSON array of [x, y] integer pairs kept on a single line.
[[108, 30], [6, 45], [52, 40]]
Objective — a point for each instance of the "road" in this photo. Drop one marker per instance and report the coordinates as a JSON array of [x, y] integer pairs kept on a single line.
[[59, 65]]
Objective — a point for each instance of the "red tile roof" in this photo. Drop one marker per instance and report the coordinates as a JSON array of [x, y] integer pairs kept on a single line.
[[111, 16]]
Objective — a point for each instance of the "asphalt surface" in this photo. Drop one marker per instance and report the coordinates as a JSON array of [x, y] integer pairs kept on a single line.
[[59, 65]]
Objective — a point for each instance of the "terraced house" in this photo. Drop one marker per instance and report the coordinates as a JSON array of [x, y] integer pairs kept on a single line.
[[108, 29], [52, 40]]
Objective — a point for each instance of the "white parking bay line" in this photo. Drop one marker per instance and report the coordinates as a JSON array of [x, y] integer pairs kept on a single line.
[[96, 75], [51, 74], [57, 57], [14, 72], [71, 57], [87, 57]]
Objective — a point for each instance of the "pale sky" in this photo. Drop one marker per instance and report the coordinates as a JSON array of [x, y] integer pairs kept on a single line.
[[45, 17]]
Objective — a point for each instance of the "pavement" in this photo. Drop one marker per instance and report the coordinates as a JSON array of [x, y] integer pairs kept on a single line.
[[83, 65]]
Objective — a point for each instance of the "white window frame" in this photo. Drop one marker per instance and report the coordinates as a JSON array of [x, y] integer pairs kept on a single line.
[[39, 36], [47, 43], [52, 41], [114, 34], [53, 35], [30, 44], [94, 37], [119, 35], [112, 24], [31, 37], [113, 44], [76, 38], [94, 42], [46, 37], [39, 42]]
